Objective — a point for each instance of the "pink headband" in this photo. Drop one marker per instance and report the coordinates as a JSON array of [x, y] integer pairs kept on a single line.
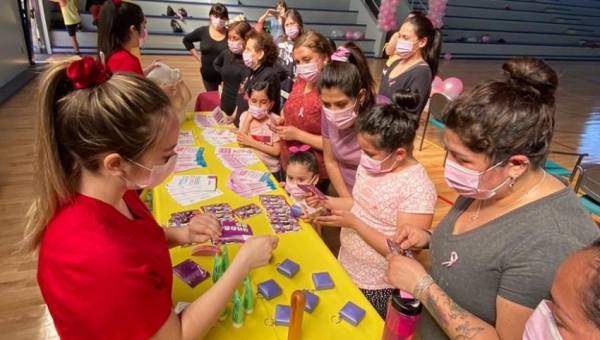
[[341, 54], [295, 149]]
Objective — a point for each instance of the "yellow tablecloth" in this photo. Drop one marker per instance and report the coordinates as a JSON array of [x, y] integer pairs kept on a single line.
[[304, 247]]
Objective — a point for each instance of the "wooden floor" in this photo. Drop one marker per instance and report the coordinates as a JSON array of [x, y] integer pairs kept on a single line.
[[23, 314]]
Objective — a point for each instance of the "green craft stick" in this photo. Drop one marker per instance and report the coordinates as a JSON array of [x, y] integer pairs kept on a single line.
[[248, 296], [223, 315], [238, 311]]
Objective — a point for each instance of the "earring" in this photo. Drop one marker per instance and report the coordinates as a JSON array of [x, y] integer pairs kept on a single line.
[[512, 182]]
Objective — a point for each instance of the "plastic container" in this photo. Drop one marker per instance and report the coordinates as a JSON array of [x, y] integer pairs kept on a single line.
[[403, 315]]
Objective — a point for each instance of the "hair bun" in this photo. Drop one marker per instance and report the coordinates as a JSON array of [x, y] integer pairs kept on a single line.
[[406, 99], [533, 75]]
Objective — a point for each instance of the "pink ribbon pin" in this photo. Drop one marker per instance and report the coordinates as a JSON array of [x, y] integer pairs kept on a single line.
[[453, 259]]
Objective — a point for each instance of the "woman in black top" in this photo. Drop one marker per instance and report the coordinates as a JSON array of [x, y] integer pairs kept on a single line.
[[419, 48], [294, 27], [260, 55], [230, 65], [213, 41]]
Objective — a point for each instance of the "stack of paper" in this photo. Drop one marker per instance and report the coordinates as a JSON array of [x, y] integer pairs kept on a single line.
[[215, 118], [218, 137], [250, 183], [189, 158], [236, 158], [186, 137], [188, 190]]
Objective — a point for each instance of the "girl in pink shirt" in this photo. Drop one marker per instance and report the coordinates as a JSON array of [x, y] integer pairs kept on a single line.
[[256, 128], [391, 189]]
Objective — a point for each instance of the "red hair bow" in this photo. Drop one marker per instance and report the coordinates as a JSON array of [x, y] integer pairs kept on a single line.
[[295, 149], [116, 2], [86, 72]]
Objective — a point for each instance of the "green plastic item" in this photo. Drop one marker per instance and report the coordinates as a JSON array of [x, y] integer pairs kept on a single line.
[[248, 296], [217, 264], [224, 259], [223, 315], [238, 311]]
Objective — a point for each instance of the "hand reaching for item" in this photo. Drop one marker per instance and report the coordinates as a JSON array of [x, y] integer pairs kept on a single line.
[[338, 218], [257, 251], [411, 237], [203, 228], [403, 272], [287, 132]]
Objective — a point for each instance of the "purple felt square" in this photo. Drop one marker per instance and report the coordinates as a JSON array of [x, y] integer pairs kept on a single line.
[[352, 314], [322, 281], [191, 273], [288, 268], [269, 289], [282, 315], [311, 301]]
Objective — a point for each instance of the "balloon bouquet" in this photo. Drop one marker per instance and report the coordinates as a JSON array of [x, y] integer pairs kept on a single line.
[[339, 34], [450, 87], [386, 20], [435, 13]]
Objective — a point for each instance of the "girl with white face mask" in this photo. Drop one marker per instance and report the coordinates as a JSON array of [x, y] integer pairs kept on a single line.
[[391, 189], [294, 27], [418, 47], [346, 88], [256, 128], [494, 255], [213, 41]]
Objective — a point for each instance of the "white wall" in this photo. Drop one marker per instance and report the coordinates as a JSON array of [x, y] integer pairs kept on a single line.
[[13, 50]]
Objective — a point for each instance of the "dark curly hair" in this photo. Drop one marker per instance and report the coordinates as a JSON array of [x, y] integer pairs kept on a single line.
[[513, 115], [264, 42]]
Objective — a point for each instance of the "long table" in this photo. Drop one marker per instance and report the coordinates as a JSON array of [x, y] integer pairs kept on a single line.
[[304, 247]]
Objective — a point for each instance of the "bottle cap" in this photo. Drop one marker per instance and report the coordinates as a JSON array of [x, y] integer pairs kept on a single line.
[[405, 306]]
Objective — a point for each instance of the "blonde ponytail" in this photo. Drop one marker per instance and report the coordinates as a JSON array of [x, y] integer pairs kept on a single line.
[[126, 114]]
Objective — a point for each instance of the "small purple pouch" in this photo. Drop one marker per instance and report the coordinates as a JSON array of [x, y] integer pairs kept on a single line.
[[322, 281], [352, 314], [191, 273], [282, 315], [269, 289], [311, 301], [288, 268]]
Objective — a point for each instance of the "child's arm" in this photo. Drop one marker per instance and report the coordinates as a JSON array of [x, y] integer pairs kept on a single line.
[[245, 124], [333, 170], [271, 150]]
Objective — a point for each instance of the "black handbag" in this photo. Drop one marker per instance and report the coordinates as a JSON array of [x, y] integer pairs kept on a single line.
[[176, 27]]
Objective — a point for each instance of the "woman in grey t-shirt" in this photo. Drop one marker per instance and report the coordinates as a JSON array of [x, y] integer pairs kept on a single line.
[[495, 254]]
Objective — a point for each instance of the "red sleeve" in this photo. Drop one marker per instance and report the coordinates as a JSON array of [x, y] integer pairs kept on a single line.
[[115, 296], [123, 61]]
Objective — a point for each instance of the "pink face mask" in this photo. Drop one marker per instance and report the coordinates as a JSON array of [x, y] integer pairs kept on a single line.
[[294, 191], [541, 324], [308, 72], [374, 166], [158, 174], [343, 118], [292, 31], [217, 23], [404, 49], [236, 47], [248, 60], [466, 182], [258, 112]]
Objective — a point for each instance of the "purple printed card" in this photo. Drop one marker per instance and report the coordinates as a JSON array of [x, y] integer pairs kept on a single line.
[[191, 273], [314, 190]]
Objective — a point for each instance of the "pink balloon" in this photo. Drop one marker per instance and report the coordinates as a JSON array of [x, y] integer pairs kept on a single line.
[[349, 35], [452, 87], [437, 86], [485, 38], [395, 3], [387, 28], [447, 56]]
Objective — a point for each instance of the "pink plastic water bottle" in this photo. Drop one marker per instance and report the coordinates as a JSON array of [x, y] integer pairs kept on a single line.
[[402, 317]]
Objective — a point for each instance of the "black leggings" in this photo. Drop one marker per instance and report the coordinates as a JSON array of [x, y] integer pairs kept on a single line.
[[210, 86], [379, 298]]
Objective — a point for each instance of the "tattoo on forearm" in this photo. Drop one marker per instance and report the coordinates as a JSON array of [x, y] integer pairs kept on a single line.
[[444, 318], [466, 332]]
